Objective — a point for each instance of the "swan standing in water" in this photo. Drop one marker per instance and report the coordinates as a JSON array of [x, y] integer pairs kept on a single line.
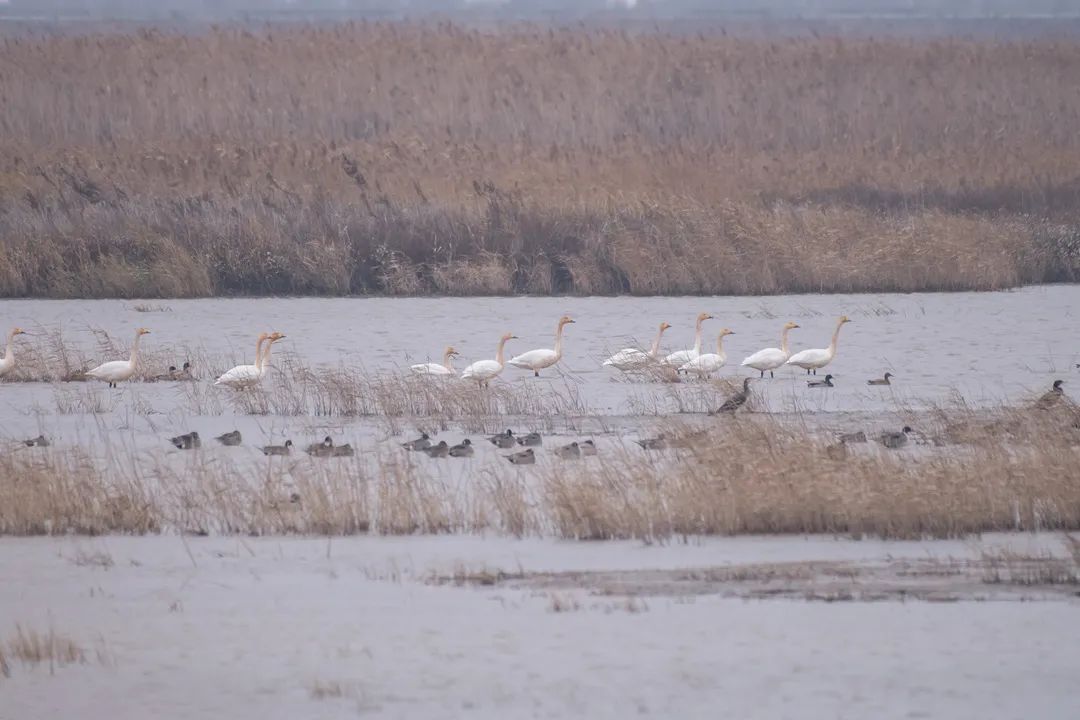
[[771, 358], [633, 359], [245, 376], [680, 358], [537, 360], [445, 369], [816, 358], [705, 365], [119, 370], [482, 371], [7, 364]]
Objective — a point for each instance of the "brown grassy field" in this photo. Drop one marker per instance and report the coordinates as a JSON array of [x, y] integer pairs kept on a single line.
[[413, 158]]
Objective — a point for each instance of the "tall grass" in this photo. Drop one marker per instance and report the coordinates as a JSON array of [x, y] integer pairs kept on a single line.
[[414, 158]]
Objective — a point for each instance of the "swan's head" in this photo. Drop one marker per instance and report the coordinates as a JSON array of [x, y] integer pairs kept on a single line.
[[509, 336], [1058, 384], [275, 336], [726, 331], [664, 326], [450, 351], [17, 331], [565, 320], [844, 319], [142, 331], [702, 317], [790, 325]]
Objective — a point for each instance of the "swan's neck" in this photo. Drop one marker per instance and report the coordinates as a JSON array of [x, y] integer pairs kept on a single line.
[[783, 341], [448, 362], [656, 344], [258, 353], [697, 338], [134, 350], [499, 354], [835, 338], [266, 355], [719, 344], [558, 342], [9, 353]]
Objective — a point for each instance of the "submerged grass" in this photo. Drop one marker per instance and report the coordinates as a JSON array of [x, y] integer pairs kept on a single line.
[[409, 158]]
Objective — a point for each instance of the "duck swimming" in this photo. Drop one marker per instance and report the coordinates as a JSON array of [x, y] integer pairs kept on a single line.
[[881, 381], [285, 449], [827, 382], [230, 438], [462, 449]]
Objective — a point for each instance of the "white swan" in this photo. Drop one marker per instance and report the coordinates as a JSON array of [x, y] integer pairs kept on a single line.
[[537, 360], [680, 358], [632, 358], [818, 357], [705, 365], [243, 376], [482, 371], [446, 368], [771, 358], [7, 364], [119, 370]]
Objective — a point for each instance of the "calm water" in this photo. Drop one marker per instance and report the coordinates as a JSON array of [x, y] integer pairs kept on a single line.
[[987, 348]]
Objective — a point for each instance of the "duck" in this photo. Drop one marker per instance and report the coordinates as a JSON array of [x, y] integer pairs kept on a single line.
[[855, 437], [421, 443], [893, 440], [285, 449], [569, 452], [483, 371], [345, 450], [119, 370], [525, 457], [537, 360], [39, 441], [187, 372], [503, 441], [7, 363], [588, 447], [230, 438], [187, 441], [444, 369], [705, 365], [827, 382], [462, 449], [169, 374], [815, 359], [882, 380], [322, 449], [531, 440], [1052, 396], [737, 400], [771, 358], [657, 443], [633, 358], [681, 357], [438, 451]]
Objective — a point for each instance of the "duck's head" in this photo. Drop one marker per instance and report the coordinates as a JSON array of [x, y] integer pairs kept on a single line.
[[466, 441], [288, 443], [1058, 384], [187, 366], [889, 375], [907, 429], [328, 441], [828, 378]]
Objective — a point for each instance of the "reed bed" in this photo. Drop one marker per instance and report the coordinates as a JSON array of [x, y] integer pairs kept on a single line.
[[742, 475], [412, 158]]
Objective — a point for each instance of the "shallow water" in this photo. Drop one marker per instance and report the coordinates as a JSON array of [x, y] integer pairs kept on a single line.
[[986, 348]]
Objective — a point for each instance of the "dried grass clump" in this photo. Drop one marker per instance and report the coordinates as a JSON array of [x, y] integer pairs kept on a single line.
[[408, 158], [33, 648]]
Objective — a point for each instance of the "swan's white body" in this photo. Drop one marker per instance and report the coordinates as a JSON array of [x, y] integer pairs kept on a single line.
[[7, 363], [482, 371], [705, 365], [445, 369], [817, 358], [771, 358], [681, 357], [119, 370], [633, 358], [537, 360], [245, 375]]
